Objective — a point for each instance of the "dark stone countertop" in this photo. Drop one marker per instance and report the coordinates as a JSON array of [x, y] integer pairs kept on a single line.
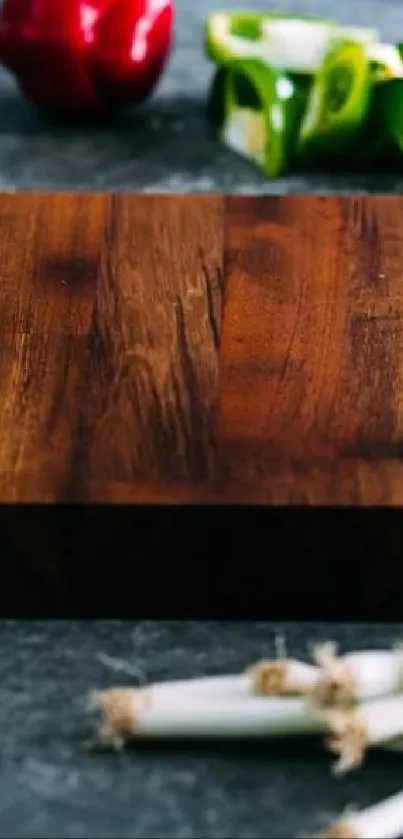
[[166, 147], [50, 787]]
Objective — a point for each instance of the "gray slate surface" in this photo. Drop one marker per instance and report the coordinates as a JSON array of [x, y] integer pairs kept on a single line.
[[166, 147], [50, 787]]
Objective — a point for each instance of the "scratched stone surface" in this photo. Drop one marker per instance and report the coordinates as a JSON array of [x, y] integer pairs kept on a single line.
[[51, 787], [165, 146]]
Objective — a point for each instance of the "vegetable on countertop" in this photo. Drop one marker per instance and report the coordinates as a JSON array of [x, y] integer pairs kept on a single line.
[[339, 101], [393, 106], [302, 90], [280, 697], [86, 58], [368, 724], [127, 713], [355, 677], [257, 112], [291, 44]]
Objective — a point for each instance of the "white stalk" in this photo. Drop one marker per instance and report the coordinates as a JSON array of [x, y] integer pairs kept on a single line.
[[370, 724], [332, 681], [128, 713], [382, 821], [236, 686], [282, 677], [356, 676]]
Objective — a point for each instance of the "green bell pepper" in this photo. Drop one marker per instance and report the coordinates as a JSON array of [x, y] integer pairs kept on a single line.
[[303, 89], [257, 112], [386, 62], [293, 44], [373, 144], [392, 105], [338, 103]]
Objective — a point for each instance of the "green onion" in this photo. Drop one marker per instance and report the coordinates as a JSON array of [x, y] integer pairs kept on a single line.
[[129, 713], [370, 724]]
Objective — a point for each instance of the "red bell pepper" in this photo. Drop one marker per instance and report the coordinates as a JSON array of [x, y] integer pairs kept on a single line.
[[86, 56]]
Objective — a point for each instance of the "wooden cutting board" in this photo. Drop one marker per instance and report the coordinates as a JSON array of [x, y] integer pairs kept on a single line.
[[201, 349]]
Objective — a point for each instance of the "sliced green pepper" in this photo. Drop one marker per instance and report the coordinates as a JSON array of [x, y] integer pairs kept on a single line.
[[386, 62], [392, 108], [292, 44], [338, 103], [373, 145], [257, 111], [379, 140], [219, 102]]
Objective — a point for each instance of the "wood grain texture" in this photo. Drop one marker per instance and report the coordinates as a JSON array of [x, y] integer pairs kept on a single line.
[[153, 350], [201, 350], [50, 251], [111, 326], [312, 352], [50, 247]]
